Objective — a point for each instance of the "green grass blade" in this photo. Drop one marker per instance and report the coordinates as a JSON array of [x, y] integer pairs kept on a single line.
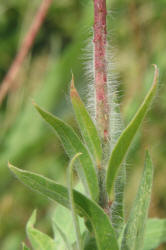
[[24, 247], [72, 145], [155, 233], [102, 228], [87, 127], [133, 237], [62, 234], [119, 152], [38, 240], [72, 205]]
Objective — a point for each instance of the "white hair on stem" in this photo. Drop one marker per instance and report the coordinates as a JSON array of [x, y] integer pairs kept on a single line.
[[112, 85], [115, 123]]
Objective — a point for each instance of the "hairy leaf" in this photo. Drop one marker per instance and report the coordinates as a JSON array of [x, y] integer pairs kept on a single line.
[[119, 152], [39, 240], [155, 233], [87, 127], [117, 207], [103, 230], [134, 231], [72, 145]]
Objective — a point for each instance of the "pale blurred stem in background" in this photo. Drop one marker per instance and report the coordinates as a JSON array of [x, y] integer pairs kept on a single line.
[[100, 66], [101, 91], [27, 43]]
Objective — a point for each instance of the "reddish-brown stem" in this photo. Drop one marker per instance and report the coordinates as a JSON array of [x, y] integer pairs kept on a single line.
[[100, 65], [25, 47]]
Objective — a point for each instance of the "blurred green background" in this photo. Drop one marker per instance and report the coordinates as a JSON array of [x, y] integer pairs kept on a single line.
[[138, 34]]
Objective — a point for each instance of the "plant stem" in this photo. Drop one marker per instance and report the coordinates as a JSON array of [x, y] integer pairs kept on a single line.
[[25, 47], [100, 65], [101, 90]]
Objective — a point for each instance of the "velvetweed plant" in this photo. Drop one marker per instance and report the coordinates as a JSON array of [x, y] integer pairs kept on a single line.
[[97, 211]]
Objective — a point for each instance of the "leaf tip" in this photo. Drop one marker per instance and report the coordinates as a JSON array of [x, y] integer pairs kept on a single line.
[[10, 166], [16, 171], [33, 215], [74, 158], [32, 220], [72, 82], [35, 104], [37, 107], [156, 74], [73, 91]]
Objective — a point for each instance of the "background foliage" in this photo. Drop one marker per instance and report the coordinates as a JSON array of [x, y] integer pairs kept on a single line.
[[137, 30]]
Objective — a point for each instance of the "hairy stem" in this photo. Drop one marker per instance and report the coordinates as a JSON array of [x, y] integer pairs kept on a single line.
[[25, 47], [100, 65], [101, 91]]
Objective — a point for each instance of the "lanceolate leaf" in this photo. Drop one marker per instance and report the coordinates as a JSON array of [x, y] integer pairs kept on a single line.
[[104, 233], [87, 127], [134, 231], [155, 233], [119, 152], [39, 240], [72, 145], [72, 205]]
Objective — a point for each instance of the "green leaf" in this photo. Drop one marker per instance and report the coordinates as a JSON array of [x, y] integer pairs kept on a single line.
[[119, 152], [62, 217], [102, 228], [89, 242], [133, 237], [62, 234], [72, 205], [155, 233], [117, 207], [24, 247], [72, 145], [87, 127], [38, 239]]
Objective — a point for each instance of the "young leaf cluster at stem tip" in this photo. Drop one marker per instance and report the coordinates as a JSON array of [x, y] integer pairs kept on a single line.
[[86, 157]]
